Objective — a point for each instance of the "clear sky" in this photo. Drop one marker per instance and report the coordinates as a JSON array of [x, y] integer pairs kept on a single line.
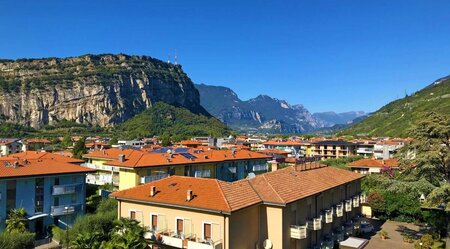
[[336, 55]]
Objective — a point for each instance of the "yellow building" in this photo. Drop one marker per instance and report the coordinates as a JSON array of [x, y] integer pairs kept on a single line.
[[330, 149], [287, 208], [129, 168]]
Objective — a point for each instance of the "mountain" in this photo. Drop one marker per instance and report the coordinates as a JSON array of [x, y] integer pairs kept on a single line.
[[397, 117], [260, 114], [329, 119], [102, 90], [180, 123]]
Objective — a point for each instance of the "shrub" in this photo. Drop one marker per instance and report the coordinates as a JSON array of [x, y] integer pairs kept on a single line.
[[384, 234], [16, 240]]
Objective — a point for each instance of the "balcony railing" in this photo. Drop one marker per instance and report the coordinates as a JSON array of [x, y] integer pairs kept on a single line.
[[66, 189], [363, 198], [203, 173], [260, 167], [299, 232], [61, 210], [147, 179], [339, 210], [348, 205], [356, 201], [329, 216], [317, 224]]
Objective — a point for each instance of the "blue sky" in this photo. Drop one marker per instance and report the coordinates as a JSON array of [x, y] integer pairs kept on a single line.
[[336, 55]]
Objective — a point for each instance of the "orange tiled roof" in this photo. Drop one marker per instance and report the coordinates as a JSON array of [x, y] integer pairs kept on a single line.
[[35, 167], [111, 154], [281, 143], [6, 141], [149, 159], [278, 188], [37, 140], [190, 142], [274, 151], [369, 162], [29, 155]]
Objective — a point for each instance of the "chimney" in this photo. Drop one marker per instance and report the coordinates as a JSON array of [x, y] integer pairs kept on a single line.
[[121, 158], [189, 195], [152, 191], [16, 164], [382, 162]]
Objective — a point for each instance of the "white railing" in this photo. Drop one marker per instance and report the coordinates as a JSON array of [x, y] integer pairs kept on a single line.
[[203, 173], [339, 210], [147, 179], [348, 205], [260, 167], [363, 198], [298, 232], [65, 209], [317, 224], [356, 201], [329, 216], [207, 244], [172, 241], [65, 189]]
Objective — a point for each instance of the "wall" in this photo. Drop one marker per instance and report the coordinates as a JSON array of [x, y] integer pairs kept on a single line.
[[128, 178], [244, 228]]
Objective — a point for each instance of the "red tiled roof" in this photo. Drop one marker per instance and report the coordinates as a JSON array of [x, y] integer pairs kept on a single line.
[[368, 162], [37, 140], [274, 151], [111, 154], [34, 167], [279, 188], [29, 155], [284, 143], [148, 159]]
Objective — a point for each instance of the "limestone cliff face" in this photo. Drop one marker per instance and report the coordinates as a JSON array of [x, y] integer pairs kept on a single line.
[[93, 89]]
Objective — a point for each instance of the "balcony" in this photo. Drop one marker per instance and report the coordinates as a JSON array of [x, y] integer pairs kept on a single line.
[[363, 198], [299, 232], [329, 216], [348, 205], [339, 210], [177, 241], [147, 179], [61, 210], [209, 244], [317, 224], [356, 201], [172, 241], [66, 189], [260, 167], [364, 151]]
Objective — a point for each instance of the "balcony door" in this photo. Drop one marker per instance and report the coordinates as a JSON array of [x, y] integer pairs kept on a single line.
[[180, 226]]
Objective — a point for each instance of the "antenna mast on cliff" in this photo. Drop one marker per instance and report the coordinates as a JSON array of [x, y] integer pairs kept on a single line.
[[168, 58], [175, 59]]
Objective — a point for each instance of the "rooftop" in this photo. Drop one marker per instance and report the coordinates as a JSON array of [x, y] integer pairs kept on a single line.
[[374, 163], [274, 188], [30, 155]]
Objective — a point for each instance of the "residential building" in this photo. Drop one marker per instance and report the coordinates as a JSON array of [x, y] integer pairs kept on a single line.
[[131, 143], [51, 191], [364, 148], [386, 149], [129, 168], [288, 208], [295, 148], [35, 144], [329, 149], [10, 146], [371, 166]]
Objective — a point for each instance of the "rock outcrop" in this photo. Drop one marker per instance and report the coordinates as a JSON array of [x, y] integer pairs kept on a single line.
[[92, 89]]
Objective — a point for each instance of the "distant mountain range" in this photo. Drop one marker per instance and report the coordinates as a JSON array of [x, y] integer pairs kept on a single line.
[[266, 114], [397, 117]]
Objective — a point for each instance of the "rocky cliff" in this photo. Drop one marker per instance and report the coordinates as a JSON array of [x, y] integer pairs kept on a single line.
[[92, 89]]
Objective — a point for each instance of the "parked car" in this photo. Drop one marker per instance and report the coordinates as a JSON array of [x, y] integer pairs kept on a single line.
[[366, 228]]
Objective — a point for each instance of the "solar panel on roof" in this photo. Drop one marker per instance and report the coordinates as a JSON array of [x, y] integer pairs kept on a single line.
[[188, 155], [178, 150], [161, 150]]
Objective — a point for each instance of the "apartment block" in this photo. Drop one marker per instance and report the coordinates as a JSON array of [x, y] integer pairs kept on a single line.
[[288, 208], [330, 149], [10, 146], [52, 191]]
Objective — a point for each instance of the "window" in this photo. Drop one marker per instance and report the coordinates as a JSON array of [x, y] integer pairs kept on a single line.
[[207, 231], [56, 180], [56, 201], [180, 223], [154, 222], [11, 195], [133, 215], [39, 195]]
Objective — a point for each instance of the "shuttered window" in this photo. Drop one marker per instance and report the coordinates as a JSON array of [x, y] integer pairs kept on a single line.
[[133, 215], [154, 221], [179, 226], [207, 231]]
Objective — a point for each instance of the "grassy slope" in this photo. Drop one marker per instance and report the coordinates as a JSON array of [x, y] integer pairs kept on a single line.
[[397, 117]]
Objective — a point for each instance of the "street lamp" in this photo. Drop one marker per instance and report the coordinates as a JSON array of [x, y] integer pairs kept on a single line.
[[66, 212], [420, 245]]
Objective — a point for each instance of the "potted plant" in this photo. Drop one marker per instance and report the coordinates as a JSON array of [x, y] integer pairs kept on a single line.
[[383, 234]]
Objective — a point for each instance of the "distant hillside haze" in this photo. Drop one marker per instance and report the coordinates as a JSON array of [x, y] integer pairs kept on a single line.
[[398, 117], [264, 113]]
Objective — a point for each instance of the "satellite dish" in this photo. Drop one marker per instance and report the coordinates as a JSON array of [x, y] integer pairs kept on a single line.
[[267, 244]]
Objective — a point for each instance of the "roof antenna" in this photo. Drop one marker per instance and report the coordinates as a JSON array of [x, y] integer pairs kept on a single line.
[[175, 58], [168, 58]]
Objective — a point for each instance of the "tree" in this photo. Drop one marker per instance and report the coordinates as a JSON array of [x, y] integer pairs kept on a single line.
[[113, 141], [376, 202], [87, 241], [127, 234], [16, 221], [67, 141], [79, 149]]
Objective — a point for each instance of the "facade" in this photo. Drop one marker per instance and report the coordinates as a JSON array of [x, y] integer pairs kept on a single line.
[[51, 191], [330, 149], [10, 146], [295, 148], [387, 149], [288, 207], [129, 168], [35, 144], [365, 148], [373, 166]]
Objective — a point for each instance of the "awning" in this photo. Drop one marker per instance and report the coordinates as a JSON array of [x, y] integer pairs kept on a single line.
[[353, 242], [37, 216]]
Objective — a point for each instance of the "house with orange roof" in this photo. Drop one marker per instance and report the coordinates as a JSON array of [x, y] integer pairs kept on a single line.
[[330, 149], [129, 168], [295, 148], [288, 208], [35, 144], [373, 166], [51, 189]]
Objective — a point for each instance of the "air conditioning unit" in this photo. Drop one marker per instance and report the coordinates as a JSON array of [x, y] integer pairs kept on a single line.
[[317, 224], [339, 210], [356, 201], [348, 205], [329, 216]]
